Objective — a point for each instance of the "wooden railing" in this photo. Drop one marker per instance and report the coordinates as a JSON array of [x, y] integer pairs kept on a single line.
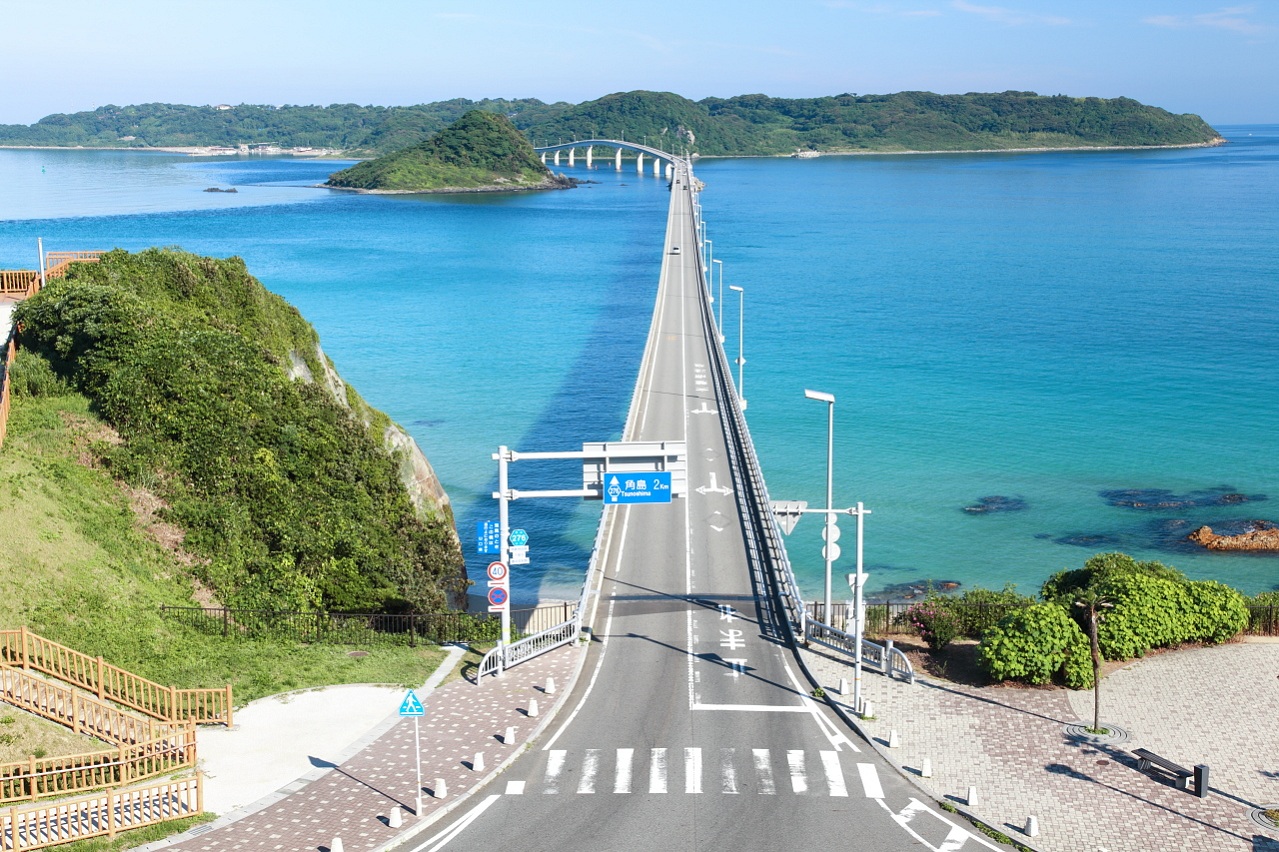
[[10, 352], [34, 778], [19, 283], [104, 814], [26, 650]]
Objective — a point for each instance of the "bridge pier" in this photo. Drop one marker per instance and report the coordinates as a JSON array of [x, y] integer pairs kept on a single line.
[[670, 171], [657, 167], [588, 156], [543, 158], [618, 160], [572, 152], [557, 158], [639, 162]]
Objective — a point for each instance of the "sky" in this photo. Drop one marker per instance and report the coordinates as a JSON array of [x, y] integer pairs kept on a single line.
[[1219, 61]]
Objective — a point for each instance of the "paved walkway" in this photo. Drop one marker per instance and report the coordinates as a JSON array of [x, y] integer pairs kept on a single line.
[[352, 799], [1218, 706]]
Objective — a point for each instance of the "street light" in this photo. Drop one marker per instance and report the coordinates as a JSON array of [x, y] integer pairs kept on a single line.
[[708, 255], [721, 300], [830, 552], [741, 312]]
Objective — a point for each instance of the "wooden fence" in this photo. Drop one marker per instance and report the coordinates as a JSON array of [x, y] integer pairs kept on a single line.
[[100, 815], [354, 628], [19, 283], [26, 650], [10, 352]]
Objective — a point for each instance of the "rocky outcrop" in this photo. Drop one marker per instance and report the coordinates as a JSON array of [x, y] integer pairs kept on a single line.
[[1264, 537]]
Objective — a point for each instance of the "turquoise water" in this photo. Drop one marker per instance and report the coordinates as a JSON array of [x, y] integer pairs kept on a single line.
[[1044, 327]]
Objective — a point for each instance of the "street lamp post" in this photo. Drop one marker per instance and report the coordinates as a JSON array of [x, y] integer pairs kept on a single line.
[[830, 534], [741, 360], [707, 259], [857, 581], [721, 300]]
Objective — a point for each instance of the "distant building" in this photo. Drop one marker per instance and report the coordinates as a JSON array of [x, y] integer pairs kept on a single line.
[[223, 106]]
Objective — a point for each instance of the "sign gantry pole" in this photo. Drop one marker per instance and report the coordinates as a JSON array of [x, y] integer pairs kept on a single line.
[[504, 527]]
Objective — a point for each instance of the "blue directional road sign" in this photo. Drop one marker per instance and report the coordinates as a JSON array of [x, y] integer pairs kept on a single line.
[[411, 706], [519, 538], [652, 487], [488, 537]]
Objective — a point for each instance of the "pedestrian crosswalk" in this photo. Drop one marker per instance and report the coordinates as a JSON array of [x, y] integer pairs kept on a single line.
[[694, 771]]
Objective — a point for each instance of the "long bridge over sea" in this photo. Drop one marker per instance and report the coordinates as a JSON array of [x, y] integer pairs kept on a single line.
[[690, 724], [663, 162]]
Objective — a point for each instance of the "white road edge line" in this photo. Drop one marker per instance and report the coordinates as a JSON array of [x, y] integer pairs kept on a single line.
[[832, 734], [442, 839], [608, 626]]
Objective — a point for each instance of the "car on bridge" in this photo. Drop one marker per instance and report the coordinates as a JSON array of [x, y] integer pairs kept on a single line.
[[674, 249]]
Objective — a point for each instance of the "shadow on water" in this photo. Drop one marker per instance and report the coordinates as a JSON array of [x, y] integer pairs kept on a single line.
[[590, 405]]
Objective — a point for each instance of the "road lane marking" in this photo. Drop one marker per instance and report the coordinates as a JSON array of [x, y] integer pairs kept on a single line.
[[834, 773], [515, 788], [798, 776], [657, 771], [622, 777], [608, 626], [956, 837], [753, 708], [590, 768], [554, 766], [714, 487], [764, 771], [442, 839], [870, 781], [692, 770], [727, 770], [836, 737]]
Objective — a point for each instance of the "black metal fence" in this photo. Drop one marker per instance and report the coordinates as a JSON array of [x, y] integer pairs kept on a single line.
[[362, 628], [891, 617]]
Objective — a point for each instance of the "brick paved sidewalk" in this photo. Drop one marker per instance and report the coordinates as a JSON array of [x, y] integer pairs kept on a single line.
[[353, 801], [1218, 706]]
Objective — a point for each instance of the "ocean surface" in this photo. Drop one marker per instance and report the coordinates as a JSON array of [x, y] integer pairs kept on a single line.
[[1082, 345]]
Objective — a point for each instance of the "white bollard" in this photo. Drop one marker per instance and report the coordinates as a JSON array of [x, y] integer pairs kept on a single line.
[[509, 739], [1032, 826], [926, 771], [549, 689], [532, 708], [417, 807], [395, 819], [336, 845], [868, 710], [843, 686], [894, 740], [477, 765], [971, 798], [440, 789]]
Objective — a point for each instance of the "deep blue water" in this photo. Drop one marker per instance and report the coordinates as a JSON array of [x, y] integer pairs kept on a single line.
[[1044, 327]]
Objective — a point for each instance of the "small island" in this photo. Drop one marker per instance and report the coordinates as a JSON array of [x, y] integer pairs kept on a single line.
[[480, 152]]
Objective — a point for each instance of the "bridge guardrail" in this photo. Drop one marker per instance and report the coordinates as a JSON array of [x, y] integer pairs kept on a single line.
[[758, 513]]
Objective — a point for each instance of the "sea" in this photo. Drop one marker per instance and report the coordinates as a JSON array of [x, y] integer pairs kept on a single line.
[[1036, 356]]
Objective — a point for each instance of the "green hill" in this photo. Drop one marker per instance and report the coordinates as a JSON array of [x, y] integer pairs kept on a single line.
[[481, 151], [277, 485], [739, 126]]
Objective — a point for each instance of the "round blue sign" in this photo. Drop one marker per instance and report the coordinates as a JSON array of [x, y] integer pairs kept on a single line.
[[497, 596]]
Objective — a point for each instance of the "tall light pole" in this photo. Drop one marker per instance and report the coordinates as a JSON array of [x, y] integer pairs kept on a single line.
[[857, 581], [710, 253], [721, 300], [830, 552], [741, 360]]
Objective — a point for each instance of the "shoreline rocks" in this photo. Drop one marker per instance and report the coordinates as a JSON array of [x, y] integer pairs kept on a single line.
[[1264, 537]]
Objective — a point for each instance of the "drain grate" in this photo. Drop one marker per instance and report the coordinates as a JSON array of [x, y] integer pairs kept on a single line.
[[1114, 734]]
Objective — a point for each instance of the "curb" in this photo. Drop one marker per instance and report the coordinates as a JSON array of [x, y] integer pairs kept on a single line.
[[850, 719]]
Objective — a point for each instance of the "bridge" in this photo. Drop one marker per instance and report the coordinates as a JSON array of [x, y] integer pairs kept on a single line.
[[691, 725], [659, 157]]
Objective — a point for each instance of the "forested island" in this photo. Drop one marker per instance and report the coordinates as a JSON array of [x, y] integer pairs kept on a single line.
[[745, 125], [480, 152]]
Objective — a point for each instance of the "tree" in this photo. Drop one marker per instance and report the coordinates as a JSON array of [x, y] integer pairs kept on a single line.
[[1092, 603]]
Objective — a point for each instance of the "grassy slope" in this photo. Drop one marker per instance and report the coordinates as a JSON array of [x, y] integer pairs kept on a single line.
[[76, 567]]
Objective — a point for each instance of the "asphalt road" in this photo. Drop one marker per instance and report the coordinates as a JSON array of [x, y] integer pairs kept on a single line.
[[691, 727]]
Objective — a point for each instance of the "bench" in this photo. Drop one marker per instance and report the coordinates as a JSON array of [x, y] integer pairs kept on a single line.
[[1181, 775]]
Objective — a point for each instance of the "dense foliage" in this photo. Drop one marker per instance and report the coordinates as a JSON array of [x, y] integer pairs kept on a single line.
[[742, 125], [935, 621], [480, 149], [288, 498], [1036, 644]]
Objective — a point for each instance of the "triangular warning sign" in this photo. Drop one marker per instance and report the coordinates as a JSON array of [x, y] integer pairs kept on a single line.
[[411, 706], [788, 513]]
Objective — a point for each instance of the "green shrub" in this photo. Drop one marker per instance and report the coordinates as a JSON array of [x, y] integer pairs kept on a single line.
[[1148, 612], [1063, 586], [936, 621], [1217, 612], [33, 376], [1036, 644], [979, 609]]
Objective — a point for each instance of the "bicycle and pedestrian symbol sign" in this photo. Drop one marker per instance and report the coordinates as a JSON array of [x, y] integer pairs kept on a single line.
[[411, 705]]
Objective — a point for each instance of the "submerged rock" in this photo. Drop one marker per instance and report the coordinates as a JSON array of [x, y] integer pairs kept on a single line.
[[996, 503], [1089, 540], [1162, 498]]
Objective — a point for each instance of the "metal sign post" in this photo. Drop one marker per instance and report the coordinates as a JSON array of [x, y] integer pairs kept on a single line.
[[411, 706]]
